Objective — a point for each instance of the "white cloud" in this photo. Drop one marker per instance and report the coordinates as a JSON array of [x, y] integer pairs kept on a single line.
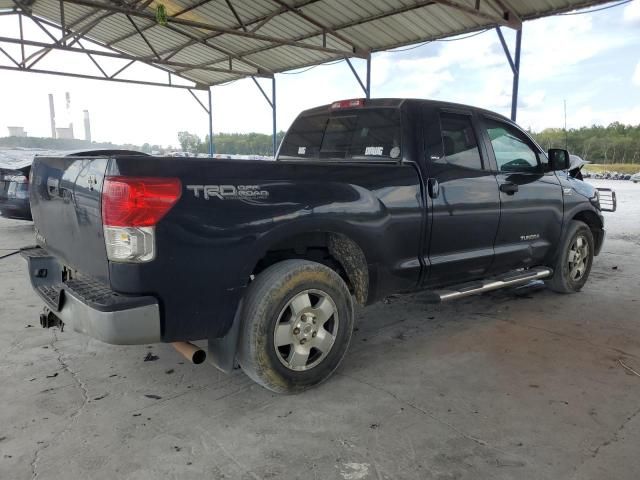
[[553, 46], [636, 75], [632, 12]]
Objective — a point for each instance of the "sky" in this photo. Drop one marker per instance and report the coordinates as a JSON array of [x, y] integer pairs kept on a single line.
[[590, 60]]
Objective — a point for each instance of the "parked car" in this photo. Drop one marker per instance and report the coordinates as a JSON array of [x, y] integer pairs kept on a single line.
[[635, 178], [14, 194], [265, 260]]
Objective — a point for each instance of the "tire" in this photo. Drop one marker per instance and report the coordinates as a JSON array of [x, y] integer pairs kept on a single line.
[[293, 308], [571, 273]]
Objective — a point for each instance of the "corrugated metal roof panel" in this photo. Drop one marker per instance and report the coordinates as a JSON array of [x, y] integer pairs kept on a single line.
[[322, 30]]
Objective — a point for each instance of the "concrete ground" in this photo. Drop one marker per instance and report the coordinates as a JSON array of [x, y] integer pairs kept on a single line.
[[526, 386]]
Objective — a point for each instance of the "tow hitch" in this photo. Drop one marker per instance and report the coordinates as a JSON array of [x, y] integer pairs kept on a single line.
[[48, 320]]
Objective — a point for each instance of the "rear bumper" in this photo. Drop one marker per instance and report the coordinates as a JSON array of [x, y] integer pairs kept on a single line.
[[90, 307]]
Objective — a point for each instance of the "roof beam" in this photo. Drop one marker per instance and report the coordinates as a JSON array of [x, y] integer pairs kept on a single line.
[[2, 50], [144, 60], [214, 28], [260, 21], [153, 24], [513, 19], [95, 77], [265, 20], [125, 56], [235, 14], [257, 23], [315, 23], [122, 69], [372, 18], [67, 33], [95, 62], [135, 26], [229, 55], [473, 12]]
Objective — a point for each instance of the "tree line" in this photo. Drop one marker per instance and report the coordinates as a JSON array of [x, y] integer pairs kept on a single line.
[[616, 143], [230, 143]]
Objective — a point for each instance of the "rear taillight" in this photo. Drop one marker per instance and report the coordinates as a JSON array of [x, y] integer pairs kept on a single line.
[[131, 207], [351, 103]]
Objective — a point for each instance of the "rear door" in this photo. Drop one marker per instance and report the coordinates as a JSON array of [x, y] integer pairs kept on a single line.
[[464, 196], [530, 198]]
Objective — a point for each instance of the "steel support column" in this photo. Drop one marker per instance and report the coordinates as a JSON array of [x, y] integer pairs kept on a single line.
[[210, 112], [369, 75], [366, 85], [514, 63], [516, 77], [272, 103]]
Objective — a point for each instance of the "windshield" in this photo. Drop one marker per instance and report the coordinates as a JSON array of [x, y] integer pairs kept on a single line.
[[369, 134]]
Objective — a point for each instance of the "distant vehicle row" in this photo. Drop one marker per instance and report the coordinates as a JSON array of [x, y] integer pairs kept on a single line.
[[613, 176]]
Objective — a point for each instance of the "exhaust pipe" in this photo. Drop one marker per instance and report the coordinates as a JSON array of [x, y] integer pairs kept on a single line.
[[191, 352]]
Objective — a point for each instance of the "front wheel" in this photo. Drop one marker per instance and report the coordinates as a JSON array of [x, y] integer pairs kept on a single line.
[[574, 261], [296, 326]]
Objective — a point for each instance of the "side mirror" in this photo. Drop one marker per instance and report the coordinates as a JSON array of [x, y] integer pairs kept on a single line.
[[558, 159]]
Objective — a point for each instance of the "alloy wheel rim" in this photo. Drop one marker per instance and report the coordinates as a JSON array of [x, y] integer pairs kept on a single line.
[[578, 258], [306, 330]]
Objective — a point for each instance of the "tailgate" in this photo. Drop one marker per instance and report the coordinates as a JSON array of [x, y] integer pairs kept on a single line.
[[65, 195]]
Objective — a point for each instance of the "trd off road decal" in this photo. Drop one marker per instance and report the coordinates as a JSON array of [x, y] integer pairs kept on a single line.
[[228, 192]]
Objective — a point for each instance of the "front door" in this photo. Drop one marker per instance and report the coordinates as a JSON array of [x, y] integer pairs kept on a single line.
[[464, 198], [531, 201]]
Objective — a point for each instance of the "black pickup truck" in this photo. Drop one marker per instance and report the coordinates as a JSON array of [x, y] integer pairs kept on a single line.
[[265, 259]]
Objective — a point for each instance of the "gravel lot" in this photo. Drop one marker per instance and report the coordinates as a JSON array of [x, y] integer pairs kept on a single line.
[[528, 385]]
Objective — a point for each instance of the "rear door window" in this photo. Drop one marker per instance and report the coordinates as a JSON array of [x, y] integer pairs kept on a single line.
[[460, 145], [364, 135]]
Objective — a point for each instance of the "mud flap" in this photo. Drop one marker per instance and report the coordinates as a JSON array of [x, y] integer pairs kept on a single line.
[[222, 351]]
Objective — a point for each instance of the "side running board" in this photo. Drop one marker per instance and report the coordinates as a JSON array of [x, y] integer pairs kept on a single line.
[[510, 279]]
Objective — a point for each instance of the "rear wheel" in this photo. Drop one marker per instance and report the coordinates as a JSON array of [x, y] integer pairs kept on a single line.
[[574, 262], [297, 324]]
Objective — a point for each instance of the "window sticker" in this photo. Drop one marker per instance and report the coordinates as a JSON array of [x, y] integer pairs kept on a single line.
[[395, 152], [373, 151], [302, 150]]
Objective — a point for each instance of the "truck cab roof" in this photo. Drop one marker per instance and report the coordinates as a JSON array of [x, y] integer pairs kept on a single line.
[[392, 102]]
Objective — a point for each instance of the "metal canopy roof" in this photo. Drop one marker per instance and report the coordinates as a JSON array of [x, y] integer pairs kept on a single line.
[[210, 42]]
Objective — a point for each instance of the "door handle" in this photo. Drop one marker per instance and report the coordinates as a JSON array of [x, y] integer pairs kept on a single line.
[[509, 188], [433, 187]]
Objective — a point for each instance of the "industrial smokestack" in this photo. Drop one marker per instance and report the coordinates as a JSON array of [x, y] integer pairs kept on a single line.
[[52, 116], [68, 98], [87, 126]]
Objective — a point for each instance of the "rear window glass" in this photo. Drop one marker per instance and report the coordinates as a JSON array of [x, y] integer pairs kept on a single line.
[[363, 135], [459, 142]]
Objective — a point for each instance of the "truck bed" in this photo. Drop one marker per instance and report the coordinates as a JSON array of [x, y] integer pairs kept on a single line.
[[229, 214]]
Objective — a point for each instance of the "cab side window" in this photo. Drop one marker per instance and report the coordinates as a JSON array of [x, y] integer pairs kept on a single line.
[[460, 146], [512, 149]]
